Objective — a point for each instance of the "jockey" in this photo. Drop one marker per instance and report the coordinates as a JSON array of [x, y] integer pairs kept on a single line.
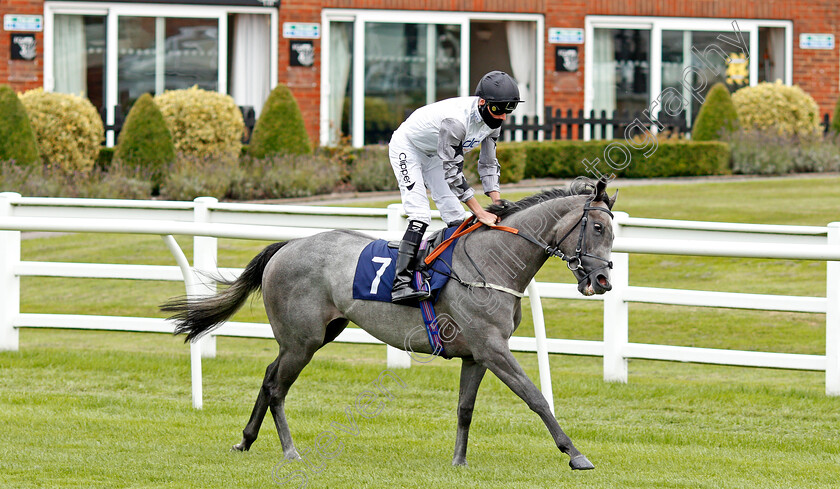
[[427, 151]]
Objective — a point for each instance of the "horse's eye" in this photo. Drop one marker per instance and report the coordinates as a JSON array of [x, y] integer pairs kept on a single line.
[[599, 228]]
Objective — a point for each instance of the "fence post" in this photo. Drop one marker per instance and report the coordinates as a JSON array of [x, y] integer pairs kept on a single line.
[[205, 260], [9, 282], [542, 346], [616, 327], [397, 358], [546, 123], [832, 317], [190, 280]]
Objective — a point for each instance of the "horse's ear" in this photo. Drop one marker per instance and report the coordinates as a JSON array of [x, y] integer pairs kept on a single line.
[[611, 200], [600, 187]]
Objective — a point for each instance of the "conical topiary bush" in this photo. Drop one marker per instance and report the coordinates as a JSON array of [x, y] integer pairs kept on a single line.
[[145, 143], [17, 139], [717, 115], [280, 128]]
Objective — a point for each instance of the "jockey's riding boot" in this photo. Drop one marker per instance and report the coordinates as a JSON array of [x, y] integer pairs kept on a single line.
[[403, 290]]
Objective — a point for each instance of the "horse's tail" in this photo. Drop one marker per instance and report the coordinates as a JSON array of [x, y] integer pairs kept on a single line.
[[197, 316]]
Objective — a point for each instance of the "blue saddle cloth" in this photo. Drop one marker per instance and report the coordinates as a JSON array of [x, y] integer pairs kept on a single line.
[[375, 271]]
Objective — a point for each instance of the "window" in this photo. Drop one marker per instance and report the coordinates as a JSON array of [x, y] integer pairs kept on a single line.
[[684, 49], [79, 49], [407, 66], [114, 52], [638, 64], [622, 73], [771, 53], [159, 53], [381, 68]]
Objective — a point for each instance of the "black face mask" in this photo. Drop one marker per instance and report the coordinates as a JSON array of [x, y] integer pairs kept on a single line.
[[488, 118]]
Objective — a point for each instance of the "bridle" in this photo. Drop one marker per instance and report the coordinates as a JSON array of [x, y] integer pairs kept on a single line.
[[574, 262]]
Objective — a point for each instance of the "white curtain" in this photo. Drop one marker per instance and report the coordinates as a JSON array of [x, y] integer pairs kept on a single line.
[[251, 60], [522, 47], [340, 59], [776, 47], [603, 78], [70, 65]]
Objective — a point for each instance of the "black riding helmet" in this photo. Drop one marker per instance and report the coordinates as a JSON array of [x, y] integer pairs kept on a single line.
[[500, 91]]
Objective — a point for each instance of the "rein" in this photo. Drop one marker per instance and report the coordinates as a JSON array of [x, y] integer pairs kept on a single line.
[[574, 262]]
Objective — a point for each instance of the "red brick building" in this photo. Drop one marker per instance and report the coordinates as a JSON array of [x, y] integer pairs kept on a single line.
[[358, 67]]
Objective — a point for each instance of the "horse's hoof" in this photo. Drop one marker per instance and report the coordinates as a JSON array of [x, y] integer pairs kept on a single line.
[[459, 463], [238, 448], [581, 463]]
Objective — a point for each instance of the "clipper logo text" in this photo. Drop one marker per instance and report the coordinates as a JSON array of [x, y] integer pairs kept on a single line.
[[404, 171]]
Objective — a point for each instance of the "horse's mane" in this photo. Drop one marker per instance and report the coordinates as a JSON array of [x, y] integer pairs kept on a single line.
[[579, 186]]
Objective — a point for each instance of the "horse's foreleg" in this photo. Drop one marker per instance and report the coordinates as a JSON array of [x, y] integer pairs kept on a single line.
[[501, 362], [252, 429], [471, 375]]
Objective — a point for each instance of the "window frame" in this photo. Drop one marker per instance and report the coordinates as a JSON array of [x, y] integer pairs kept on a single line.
[[113, 11], [359, 17], [749, 27]]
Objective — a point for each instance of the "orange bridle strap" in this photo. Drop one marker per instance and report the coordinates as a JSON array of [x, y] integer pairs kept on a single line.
[[464, 228]]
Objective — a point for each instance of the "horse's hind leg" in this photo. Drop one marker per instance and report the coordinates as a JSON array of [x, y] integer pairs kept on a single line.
[[497, 357], [471, 375], [252, 429], [292, 360]]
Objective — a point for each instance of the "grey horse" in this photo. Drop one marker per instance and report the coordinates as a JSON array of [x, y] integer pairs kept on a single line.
[[306, 286]]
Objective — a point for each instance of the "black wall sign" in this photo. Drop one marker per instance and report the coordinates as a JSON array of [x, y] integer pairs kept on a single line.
[[301, 53], [566, 58], [24, 47]]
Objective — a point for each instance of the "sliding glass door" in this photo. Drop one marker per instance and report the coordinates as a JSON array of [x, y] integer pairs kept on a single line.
[[407, 66], [621, 73], [380, 66]]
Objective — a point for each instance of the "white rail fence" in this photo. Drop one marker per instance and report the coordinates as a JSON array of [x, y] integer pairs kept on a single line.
[[207, 220]]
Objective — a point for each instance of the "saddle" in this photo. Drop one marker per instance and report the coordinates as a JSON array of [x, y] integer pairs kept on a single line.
[[375, 271]]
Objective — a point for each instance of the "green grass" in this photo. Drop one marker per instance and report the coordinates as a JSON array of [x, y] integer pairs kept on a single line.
[[105, 409], [95, 409]]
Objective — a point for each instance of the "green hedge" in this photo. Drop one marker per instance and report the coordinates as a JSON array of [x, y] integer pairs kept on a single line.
[[565, 159]]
